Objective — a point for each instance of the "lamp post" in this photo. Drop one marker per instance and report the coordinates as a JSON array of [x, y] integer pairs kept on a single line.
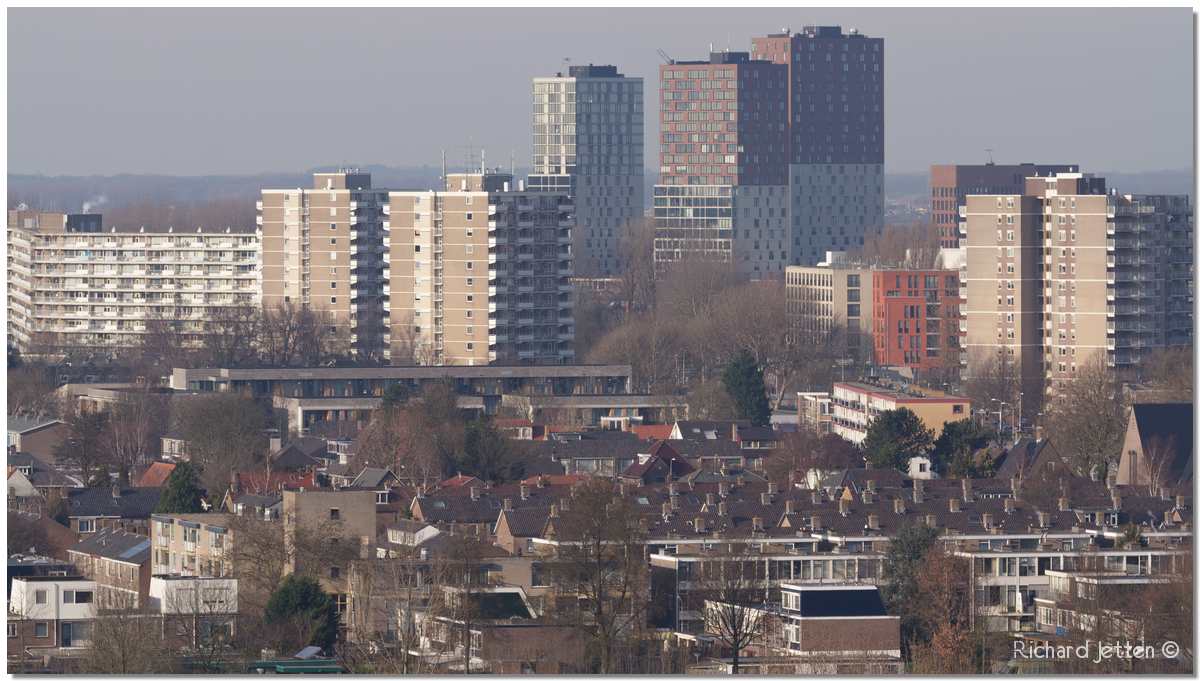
[[1020, 410], [1000, 416]]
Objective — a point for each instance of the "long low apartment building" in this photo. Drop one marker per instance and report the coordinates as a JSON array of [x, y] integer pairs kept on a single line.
[[72, 283], [856, 405]]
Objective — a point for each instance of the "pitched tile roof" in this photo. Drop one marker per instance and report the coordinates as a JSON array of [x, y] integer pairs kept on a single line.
[[128, 502], [115, 544], [43, 474], [1168, 422], [156, 475], [525, 522], [24, 424]]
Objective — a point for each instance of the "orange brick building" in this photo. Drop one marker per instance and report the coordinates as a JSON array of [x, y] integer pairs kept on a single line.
[[916, 318]]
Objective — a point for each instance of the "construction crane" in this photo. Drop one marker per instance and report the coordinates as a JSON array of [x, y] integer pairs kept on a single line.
[[665, 57], [991, 161]]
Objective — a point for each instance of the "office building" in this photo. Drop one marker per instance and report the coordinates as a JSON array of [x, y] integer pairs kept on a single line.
[[74, 284], [832, 296], [915, 318], [722, 193], [1067, 273], [835, 136], [588, 141], [949, 185], [480, 273], [323, 249]]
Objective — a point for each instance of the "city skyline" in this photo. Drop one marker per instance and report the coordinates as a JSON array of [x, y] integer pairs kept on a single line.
[[76, 117]]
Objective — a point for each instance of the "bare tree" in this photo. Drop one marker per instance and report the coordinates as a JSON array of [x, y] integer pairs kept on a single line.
[[914, 246], [1087, 419], [1158, 458], [134, 427], [126, 641], [636, 252], [599, 563], [650, 346], [225, 432], [230, 334], [202, 618], [31, 392], [732, 610], [84, 447]]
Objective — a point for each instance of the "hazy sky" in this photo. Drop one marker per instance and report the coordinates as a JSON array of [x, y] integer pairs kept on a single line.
[[244, 91]]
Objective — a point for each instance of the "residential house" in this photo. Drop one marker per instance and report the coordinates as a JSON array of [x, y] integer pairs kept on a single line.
[[92, 509], [119, 563], [1158, 446], [37, 436]]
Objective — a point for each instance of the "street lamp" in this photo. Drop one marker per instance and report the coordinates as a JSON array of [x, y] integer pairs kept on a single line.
[[1020, 410], [1000, 416]]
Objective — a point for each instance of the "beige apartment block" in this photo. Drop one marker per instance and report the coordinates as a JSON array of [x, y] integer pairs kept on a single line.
[[1070, 273], [826, 297], [74, 284], [323, 249], [480, 273]]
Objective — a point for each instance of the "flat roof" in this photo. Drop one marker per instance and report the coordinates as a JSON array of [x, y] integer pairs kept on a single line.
[[343, 373], [917, 394]]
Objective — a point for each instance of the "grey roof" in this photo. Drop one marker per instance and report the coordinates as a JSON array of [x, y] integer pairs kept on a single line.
[[126, 547], [526, 522], [258, 500], [1171, 425], [372, 478], [130, 502], [299, 454], [43, 475], [22, 424]]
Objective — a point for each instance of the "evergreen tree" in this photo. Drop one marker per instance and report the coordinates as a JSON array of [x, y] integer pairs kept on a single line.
[[488, 455], [302, 614], [954, 450], [895, 437], [743, 380], [183, 493]]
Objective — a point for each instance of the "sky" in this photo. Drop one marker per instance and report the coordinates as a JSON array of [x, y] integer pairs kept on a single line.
[[231, 91]]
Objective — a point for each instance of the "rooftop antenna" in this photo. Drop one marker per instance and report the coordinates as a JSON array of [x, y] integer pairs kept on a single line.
[[483, 161], [443, 167], [512, 163], [990, 162]]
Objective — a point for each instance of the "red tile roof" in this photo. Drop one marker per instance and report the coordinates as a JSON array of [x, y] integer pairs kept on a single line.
[[652, 432], [258, 482], [156, 475]]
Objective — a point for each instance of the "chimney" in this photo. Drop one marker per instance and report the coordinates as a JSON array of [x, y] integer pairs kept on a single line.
[[723, 489], [772, 488], [1009, 505], [1167, 519], [1016, 487], [541, 481], [553, 511], [816, 496], [1116, 500], [709, 498], [870, 485], [955, 504], [722, 509], [789, 507], [987, 521], [918, 491], [1179, 501], [931, 520], [474, 493], [733, 434], [844, 507], [898, 506], [699, 524], [867, 464], [116, 491], [868, 497], [968, 496], [525, 491], [765, 498], [672, 489], [1064, 504], [757, 524], [666, 510], [1043, 518], [508, 503], [816, 522]]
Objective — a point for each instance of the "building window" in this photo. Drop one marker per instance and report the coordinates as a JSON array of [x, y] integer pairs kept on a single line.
[[335, 572], [12, 629], [77, 597], [41, 630], [381, 497], [39, 597], [335, 514], [88, 525]]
